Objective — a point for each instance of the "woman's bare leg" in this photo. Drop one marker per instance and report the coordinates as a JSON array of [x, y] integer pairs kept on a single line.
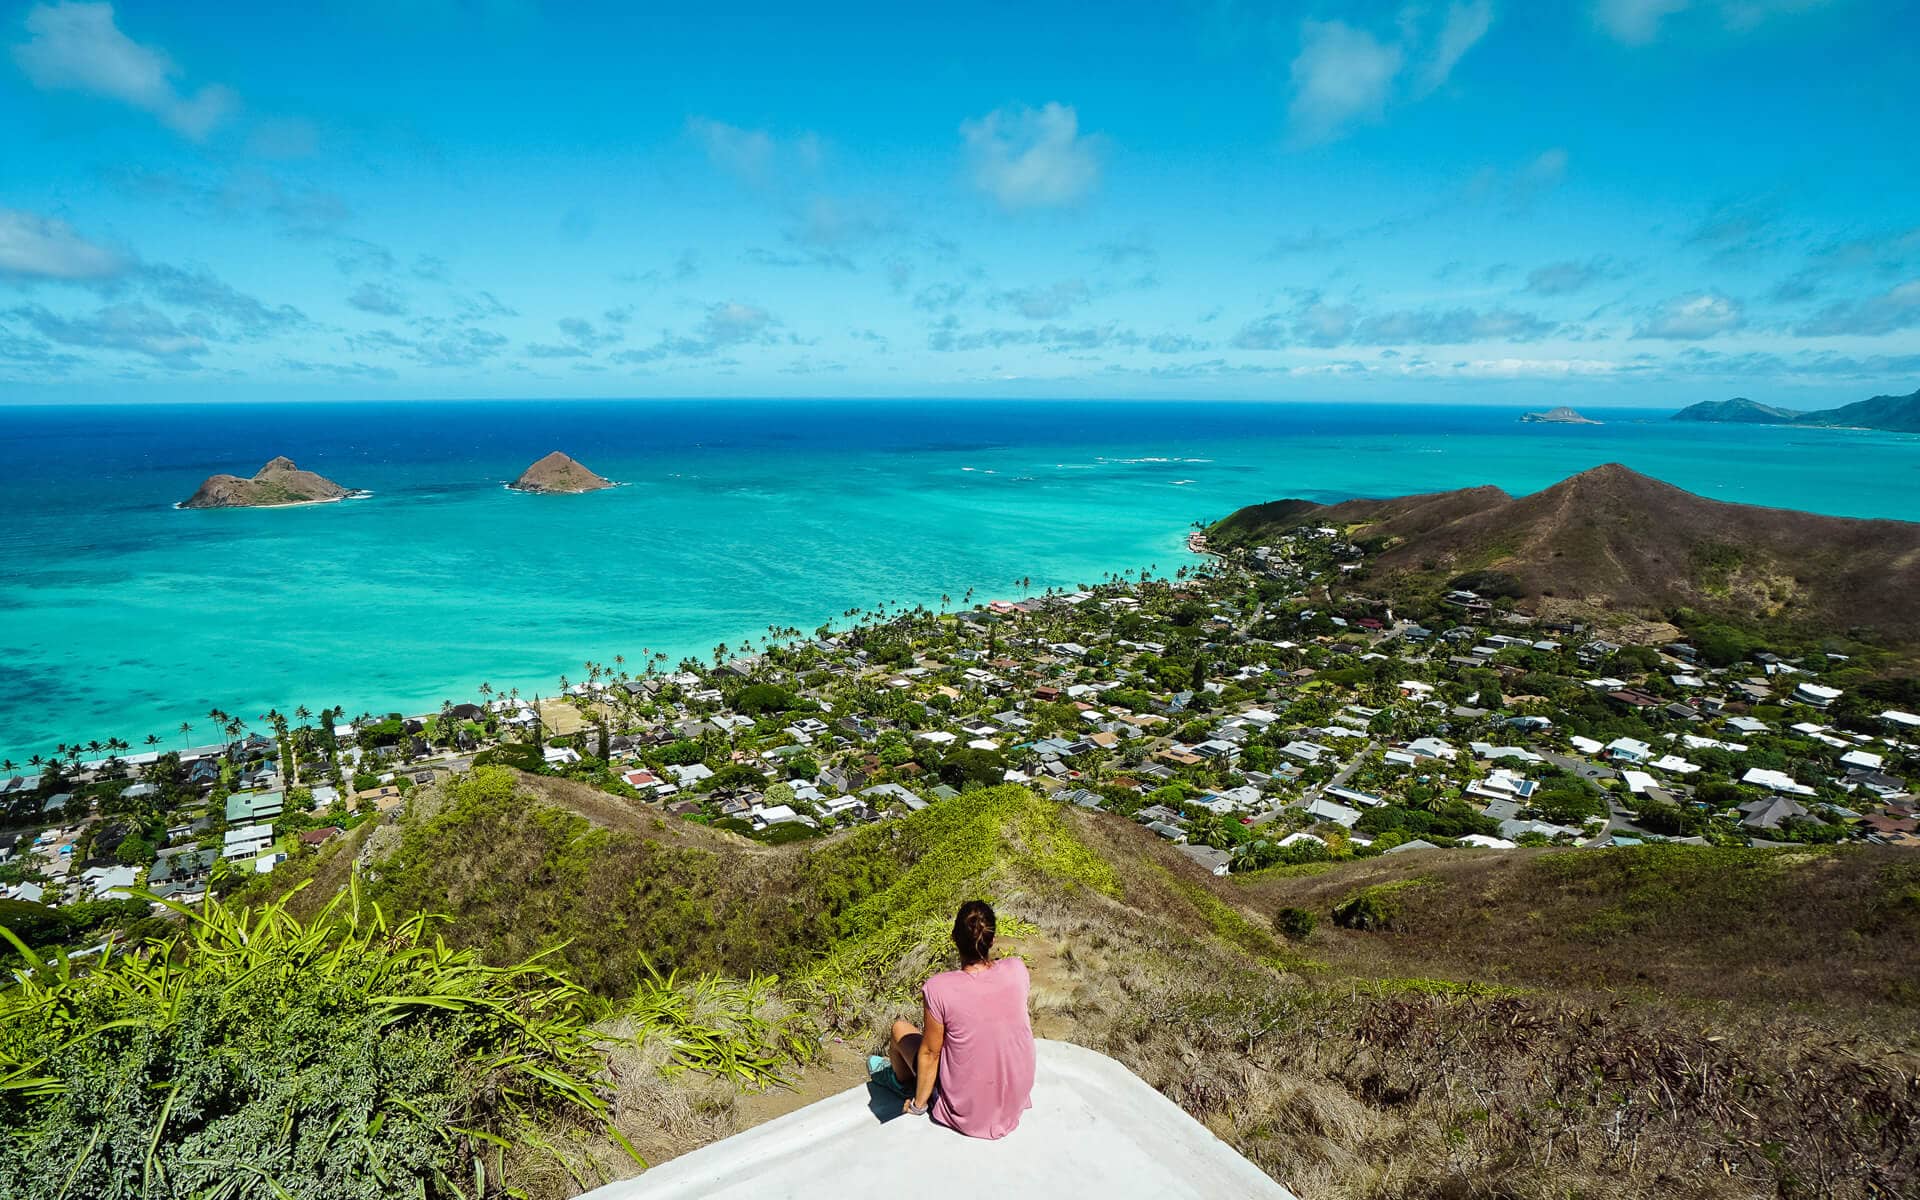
[[903, 1050]]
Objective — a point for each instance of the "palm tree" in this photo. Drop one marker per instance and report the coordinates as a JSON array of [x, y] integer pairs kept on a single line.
[[153, 739], [186, 727], [8, 766]]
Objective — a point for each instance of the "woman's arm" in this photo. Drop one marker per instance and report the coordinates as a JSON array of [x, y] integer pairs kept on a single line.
[[933, 1035]]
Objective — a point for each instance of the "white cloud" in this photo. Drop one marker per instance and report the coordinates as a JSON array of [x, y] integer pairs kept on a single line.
[[1693, 317], [1466, 23], [77, 47], [36, 247], [754, 156], [1032, 158], [379, 299], [1565, 278], [1045, 304], [1547, 170], [1871, 316], [132, 328], [1341, 75], [731, 323], [1637, 22]]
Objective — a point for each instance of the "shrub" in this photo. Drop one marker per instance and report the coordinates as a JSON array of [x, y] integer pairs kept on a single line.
[[1294, 924], [252, 1055], [524, 755], [758, 698], [1365, 911], [1374, 908], [738, 1030], [34, 923]]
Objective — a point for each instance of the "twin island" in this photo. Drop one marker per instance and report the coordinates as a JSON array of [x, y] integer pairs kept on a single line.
[[281, 484]]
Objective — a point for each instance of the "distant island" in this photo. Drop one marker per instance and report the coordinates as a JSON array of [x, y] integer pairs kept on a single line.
[[1894, 414], [1612, 545], [558, 474], [276, 485], [1557, 416]]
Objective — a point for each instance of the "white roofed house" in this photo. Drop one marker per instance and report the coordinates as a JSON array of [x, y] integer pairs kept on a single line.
[[1626, 749], [1815, 695], [1339, 814], [1307, 752], [689, 774], [1778, 781], [247, 841], [1503, 784], [1430, 747], [1639, 782], [1492, 753]]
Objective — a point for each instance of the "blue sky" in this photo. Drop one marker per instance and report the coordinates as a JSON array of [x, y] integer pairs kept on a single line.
[[1636, 202]]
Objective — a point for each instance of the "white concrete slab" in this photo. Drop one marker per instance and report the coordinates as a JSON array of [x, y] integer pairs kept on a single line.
[[1095, 1129]]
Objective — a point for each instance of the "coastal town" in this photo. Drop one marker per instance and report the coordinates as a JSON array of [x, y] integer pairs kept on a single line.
[[1245, 709]]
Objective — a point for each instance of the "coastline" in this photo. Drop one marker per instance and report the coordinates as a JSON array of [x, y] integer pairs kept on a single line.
[[353, 494], [122, 616], [426, 700]]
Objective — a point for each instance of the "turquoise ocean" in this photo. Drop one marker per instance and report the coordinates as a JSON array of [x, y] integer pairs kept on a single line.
[[121, 615]]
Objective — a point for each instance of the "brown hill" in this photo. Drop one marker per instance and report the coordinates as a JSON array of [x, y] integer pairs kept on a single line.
[[1613, 540], [276, 484], [558, 473]]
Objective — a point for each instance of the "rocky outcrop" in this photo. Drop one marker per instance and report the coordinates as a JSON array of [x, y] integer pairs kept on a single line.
[[1557, 416], [557, 473], [277, 484]]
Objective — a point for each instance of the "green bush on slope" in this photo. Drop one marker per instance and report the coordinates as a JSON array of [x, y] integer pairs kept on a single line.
[[253, 1055]]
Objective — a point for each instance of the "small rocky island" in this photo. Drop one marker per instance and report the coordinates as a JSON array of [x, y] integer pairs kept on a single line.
[[557, 473], [1557, 416], [275, 485]]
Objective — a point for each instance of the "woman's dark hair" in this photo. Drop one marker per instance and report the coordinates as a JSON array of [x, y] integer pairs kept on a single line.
[[973, 928]]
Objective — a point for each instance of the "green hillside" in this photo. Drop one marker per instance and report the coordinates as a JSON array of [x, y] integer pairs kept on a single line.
[[1656, 1021], [1896, 414], [1611, 545]]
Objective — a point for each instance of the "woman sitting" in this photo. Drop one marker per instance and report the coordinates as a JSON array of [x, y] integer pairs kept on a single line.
[[971, 1067]]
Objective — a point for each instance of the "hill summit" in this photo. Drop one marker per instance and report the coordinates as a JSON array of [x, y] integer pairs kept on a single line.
[[1613, 540], [559, 473], [274, 485]]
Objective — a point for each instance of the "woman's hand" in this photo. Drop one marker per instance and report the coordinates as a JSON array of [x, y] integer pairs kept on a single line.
[[913, 1110]]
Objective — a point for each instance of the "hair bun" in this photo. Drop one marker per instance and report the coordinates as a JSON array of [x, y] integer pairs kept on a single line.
[[973, 930]]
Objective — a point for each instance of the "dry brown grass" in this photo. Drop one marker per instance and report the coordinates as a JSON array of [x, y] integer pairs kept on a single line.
[[1547, 1026]]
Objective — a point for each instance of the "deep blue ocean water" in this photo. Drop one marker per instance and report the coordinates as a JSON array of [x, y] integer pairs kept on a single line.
[[122, 616]]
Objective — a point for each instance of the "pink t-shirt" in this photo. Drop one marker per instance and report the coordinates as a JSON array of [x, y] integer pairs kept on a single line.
[[986, 1063]]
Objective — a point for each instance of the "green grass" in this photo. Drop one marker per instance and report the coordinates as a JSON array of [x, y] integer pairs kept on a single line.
[[1657, 885], [894, 886], [739, 1030], [253, 1055], [1436, 987], [1231, 926]]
